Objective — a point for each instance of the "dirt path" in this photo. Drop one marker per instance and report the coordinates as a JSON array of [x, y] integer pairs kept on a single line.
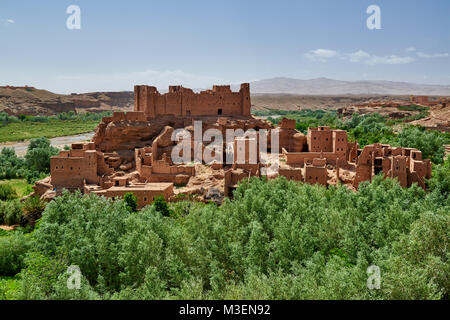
[[58, 142]]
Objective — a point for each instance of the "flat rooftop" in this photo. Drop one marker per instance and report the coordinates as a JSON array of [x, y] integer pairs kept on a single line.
[[153, 186]]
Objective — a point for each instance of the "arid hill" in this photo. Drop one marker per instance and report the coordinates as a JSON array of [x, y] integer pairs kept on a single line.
[[297, 102], [32, 101], [439, 118]]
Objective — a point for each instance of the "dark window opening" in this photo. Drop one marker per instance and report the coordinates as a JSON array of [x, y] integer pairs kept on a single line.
[[117, 183], [378, 166], [219, 111]]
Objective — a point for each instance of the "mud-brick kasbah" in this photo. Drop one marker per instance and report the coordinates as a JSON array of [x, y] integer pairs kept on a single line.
[[131, 152]]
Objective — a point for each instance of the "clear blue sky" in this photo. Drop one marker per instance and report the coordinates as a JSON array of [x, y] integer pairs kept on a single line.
[[200, 42]]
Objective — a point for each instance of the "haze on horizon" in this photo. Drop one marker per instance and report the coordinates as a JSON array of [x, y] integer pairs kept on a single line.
[[201, 43]]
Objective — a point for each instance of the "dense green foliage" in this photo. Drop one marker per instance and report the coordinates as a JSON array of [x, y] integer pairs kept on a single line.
[[431, 143], [131, 201], [11, 166], [39, 153], [161, 206], [32, 210], [368, 129], [34, 166], [12, 253], [412, 107], [64, 124], [6, 119], [10, 206], [440, 182], [10, 212], [275, 240], [7, 192]]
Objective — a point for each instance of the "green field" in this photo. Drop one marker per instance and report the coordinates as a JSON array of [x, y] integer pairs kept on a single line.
[[20, 131], [9, 287], [21, 186]]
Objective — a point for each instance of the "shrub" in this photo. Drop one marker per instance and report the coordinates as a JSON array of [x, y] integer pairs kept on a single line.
[[7, 192], [431, 143], [41, 274], [131, 201], [46, 277], [10, 212], [412, 107], [6, 119], [276, 240], [11, 166], [32, 210], [12, 252], [87, 229], [39, 153], [440, 180], [161, 206]]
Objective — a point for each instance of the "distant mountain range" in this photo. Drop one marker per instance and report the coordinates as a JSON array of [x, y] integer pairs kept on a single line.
[[325, 86], [32, 101]]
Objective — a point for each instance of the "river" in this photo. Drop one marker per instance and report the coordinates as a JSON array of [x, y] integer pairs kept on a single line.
[[58, 142]]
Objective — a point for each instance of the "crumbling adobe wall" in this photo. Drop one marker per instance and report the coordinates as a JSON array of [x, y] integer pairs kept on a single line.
[[404, 164], [181, 101], [289, 138], [155, 165], [323, 139], [364, 166], [316, 171], [72, 168], [127, 132]]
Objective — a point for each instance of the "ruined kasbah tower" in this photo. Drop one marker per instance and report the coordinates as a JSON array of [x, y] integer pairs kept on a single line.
[[131, 152], [180, 101]]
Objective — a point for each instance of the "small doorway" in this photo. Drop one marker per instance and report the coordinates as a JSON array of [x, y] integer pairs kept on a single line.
[[219, 111]]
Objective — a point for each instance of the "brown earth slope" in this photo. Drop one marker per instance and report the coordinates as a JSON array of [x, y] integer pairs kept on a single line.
[[438, 119], [297, 102], [32, 101]]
